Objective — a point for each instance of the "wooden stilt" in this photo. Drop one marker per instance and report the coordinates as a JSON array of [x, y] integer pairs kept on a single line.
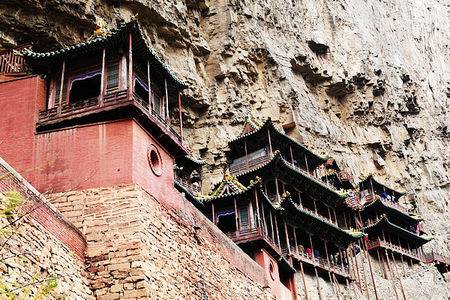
[[258, 217], [272, 227], [371, 271], [213, 213], [149, 83], [270, 142], [380, 259], [392, 275], [236, 214], [264, 219], [167, 99], [180, 113], [287, 239], [304, 281], [329, 272], [130, 66], [398, 276]]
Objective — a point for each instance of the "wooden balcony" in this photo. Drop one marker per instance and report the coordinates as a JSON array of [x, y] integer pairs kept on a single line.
[[254, 234], [237, 169], [11, 62], [378, 243], [114, 105], [192, 188], [436, 258], [321, 263]]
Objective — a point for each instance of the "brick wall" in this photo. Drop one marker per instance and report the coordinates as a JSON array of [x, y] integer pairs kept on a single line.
[[139, 248]]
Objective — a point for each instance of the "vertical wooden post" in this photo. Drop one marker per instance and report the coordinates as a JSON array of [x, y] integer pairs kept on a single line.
[[258, 218], [236, 215], [292, 155], [270, 142], [380, 259], [329, 272], [213, 213], [130, 67], [295, 240], [299, 198], [277, 231], [264, 219], [149, 83], [371, 272], [167, 100], [102, 80], [181, 117], [63, 70], [277, 188], [315, 207], [335, 217], [392, 274], [304, 281], [315, 268], [271, 226], [287, 238], [246, 154], [306, 163], [399, 279]]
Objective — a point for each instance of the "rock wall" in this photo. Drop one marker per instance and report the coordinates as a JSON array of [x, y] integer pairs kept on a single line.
[[140, 248]]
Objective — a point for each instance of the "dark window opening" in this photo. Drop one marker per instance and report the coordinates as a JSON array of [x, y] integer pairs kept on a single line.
[[85, 87], [285, 279], [244, 217], [141, 90], [226, 222]]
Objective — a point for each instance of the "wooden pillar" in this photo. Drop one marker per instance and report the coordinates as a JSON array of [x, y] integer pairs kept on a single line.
[[315, 207], [149, 83], [306, 163], [277, 231], [391, 271], [287, 238], [102, 80], [299, 199], [236, 215], [345, 220], [329, 213], [130, 66], [329, 272], [335, 217], [213, 213], [271, 226], [246, 154], [264, 218], [167, 99], [295, 240], [315, 268], [277, 188], [371, 272], [292, 155], [258, 217], [270, 142], [399, 279], [63, 70], [304, 281], [381, 260], [181, 117]]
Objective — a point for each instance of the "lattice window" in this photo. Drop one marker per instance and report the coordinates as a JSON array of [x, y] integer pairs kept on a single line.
[[112, 80]]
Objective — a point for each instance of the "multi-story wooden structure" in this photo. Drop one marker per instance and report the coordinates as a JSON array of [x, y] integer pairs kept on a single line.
[[389, 225]]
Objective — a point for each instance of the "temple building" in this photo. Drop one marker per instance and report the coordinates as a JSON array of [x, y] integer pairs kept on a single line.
[[389, 225], [276, 205]]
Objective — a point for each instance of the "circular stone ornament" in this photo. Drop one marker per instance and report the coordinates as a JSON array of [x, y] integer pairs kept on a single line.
[[154, 160]]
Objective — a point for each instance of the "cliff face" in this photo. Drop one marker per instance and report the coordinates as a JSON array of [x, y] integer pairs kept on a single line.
[[365, 82]]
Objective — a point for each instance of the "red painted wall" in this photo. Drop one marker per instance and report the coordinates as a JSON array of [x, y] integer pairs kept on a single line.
[[81, 157], [273, 278]]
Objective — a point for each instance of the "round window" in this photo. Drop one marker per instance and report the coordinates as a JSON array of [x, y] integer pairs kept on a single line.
[[154, 160], [271, 270]]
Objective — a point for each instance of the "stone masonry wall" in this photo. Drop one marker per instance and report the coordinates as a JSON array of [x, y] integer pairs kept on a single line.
[[39, 246], [140, 248]]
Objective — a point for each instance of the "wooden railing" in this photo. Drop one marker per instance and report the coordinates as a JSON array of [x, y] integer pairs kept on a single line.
[[194, 189], [251, 234], [320, 262], [379, 243], [240, 168], [112, 99], [11, 62]]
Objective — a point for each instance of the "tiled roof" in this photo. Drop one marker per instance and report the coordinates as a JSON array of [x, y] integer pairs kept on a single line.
[[268, 124], [392, 208], [97, 42], [383, 221]]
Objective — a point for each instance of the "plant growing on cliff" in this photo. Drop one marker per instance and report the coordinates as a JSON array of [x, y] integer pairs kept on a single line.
[[15, 284]]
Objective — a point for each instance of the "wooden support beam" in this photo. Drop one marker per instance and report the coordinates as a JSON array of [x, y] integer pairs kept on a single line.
[[398, 276], [258, 217], [292, 155], [213, 213], [149, 83], [371, 272], [304, 281], [130, 66], [264, 219], [236, 215], [167, 100], [246, 155], [180, 117], [287, 237], [270, 142], [277, 231], [329, 272], [63, 71], [272, 227], [392, 274], [103, 77]]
